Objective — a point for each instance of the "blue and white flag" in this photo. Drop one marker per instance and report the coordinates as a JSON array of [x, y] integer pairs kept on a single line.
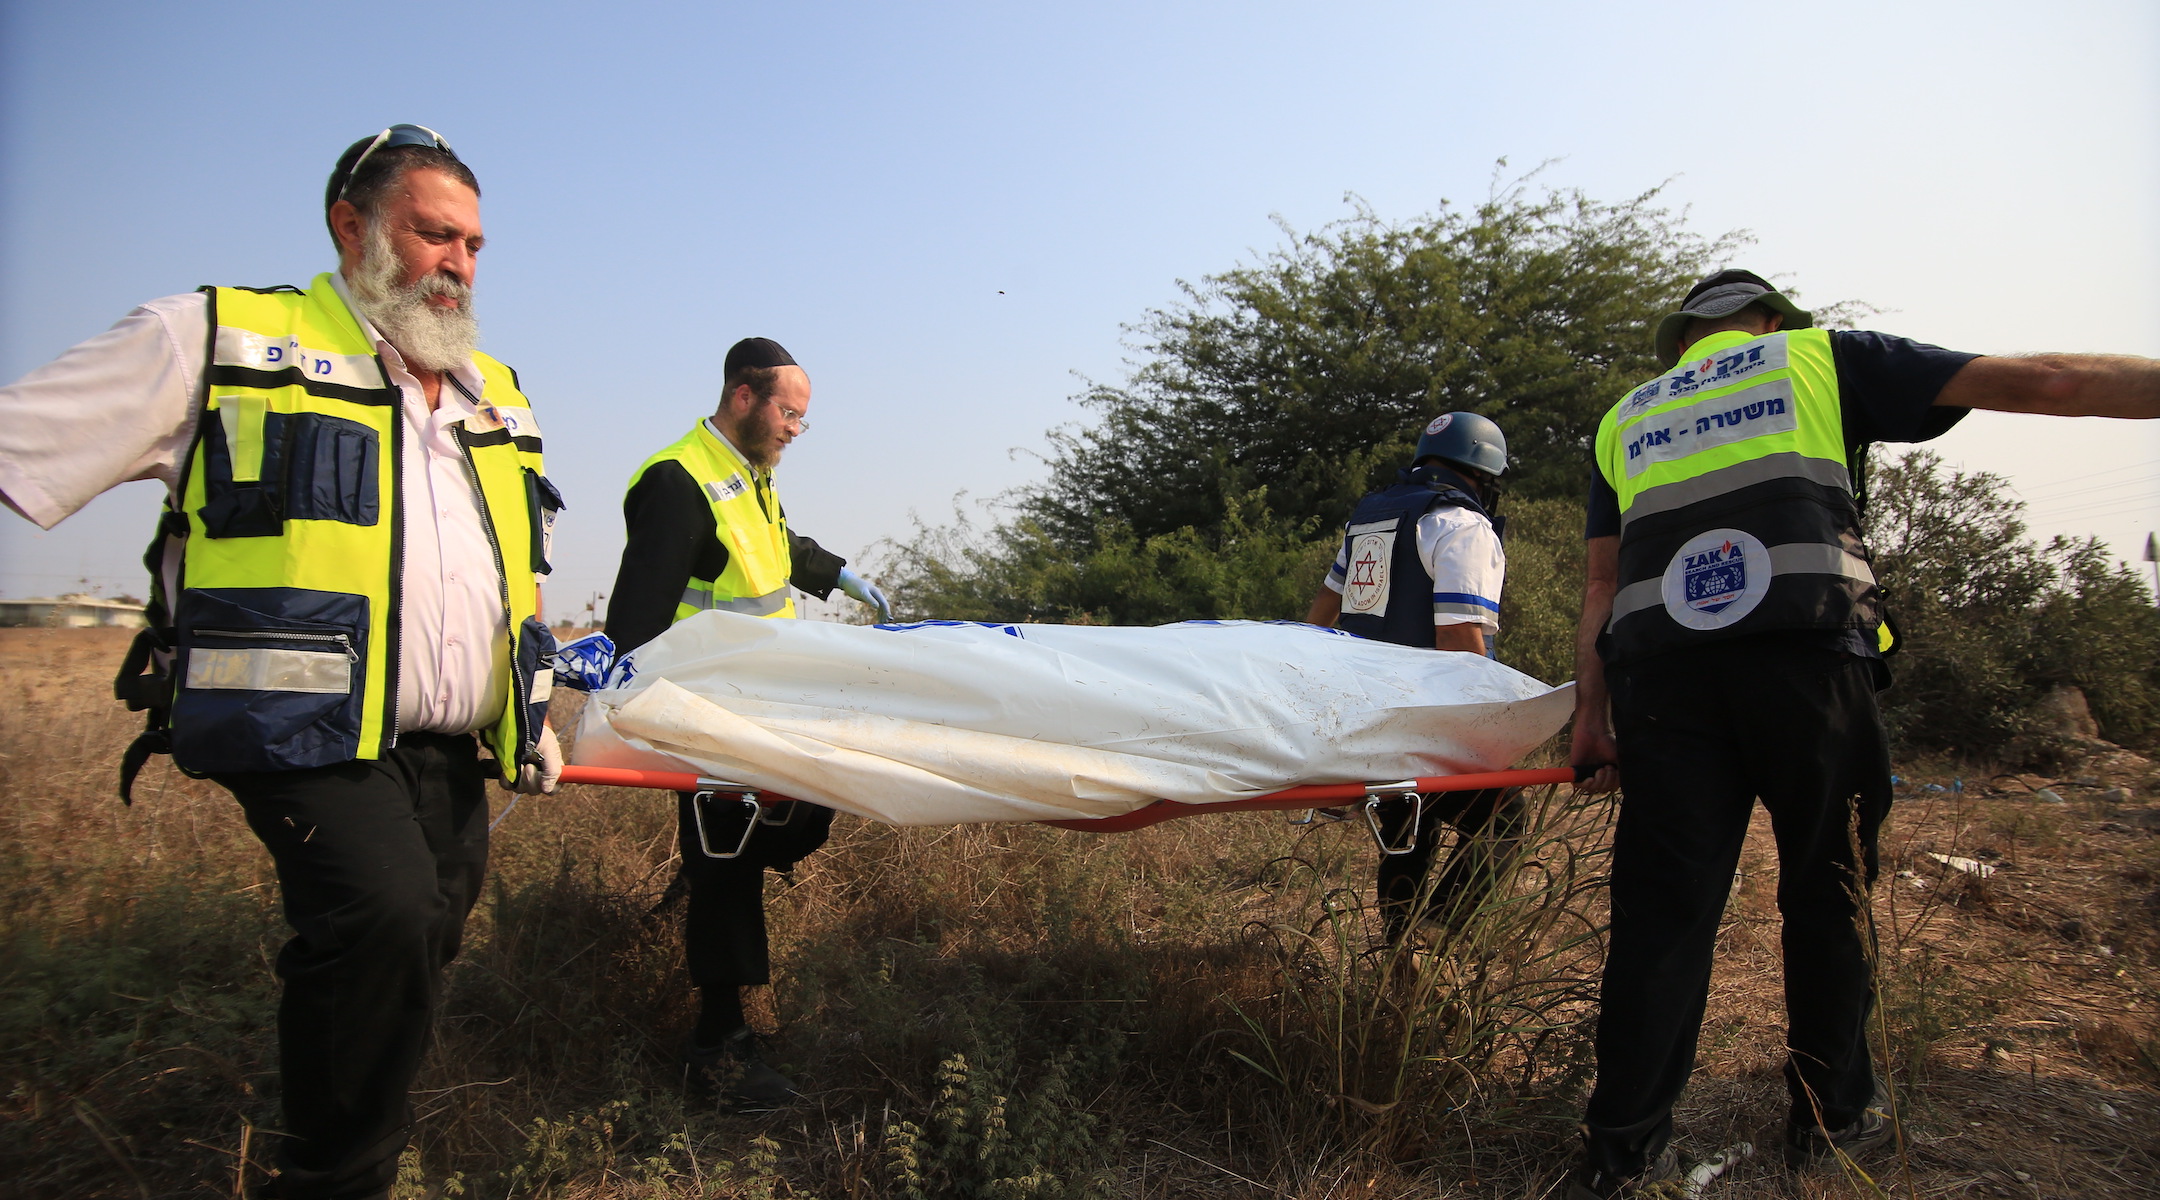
[[584, 664]]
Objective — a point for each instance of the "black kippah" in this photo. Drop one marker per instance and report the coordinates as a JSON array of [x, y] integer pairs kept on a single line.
[[756, 352]]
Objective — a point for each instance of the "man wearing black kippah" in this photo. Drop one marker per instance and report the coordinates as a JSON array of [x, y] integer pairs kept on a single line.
[[707, 532]]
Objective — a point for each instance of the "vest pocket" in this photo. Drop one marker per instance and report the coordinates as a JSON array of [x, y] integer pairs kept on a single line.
[[542, 502], [286, 467], [535, 659], [270, 679], [332, 469]]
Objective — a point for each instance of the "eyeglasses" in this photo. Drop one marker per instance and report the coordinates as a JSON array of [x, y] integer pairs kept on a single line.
[[792, 416], [391, 139]]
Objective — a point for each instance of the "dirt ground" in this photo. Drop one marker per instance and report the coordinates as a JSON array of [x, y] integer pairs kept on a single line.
[[2018, 932]]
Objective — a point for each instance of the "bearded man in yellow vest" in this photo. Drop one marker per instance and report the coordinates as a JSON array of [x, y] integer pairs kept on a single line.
[[345, 594], [1732, 621], [706, 531]]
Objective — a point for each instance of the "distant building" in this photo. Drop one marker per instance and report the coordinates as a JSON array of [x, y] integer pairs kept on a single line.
[[73, 611]]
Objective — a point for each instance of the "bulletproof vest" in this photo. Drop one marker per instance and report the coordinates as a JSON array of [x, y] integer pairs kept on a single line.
[[1387, 594]]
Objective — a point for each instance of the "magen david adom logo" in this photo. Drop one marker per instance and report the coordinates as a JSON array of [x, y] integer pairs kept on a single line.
[[1365, 578], [1716, 579]]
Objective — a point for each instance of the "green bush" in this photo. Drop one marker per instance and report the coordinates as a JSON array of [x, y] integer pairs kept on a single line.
[[1990, 621]]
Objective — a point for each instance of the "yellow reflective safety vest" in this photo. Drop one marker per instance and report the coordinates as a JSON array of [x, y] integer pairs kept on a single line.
[[284, 623], [1736, 506], [749, 520]]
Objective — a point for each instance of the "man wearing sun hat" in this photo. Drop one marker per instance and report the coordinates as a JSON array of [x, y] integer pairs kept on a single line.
[[1732, 623], [345, 594]]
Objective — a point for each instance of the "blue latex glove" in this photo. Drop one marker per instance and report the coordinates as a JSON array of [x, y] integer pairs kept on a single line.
[[584, 664], [867, 592]]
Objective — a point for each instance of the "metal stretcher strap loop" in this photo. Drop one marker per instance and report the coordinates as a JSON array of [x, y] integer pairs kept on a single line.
[[1318, 795], [1309, 796], [749, 811], [1407, 841]]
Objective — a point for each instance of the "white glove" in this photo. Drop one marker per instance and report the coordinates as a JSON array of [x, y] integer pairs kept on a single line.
[[539, 779], [867, 592]]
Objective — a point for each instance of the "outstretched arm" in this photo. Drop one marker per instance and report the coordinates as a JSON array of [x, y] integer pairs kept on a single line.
[[120, 406], [1592, 746], [2062, 385]]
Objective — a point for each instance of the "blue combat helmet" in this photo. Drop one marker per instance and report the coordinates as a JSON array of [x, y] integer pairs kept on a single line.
[[1464, 439]]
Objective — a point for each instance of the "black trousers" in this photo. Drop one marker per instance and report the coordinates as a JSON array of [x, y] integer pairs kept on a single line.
[[1491, 823], [379, 863], [1702, 734], [724, 939]]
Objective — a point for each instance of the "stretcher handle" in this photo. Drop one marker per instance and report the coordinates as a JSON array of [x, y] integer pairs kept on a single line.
[[673, 781], [668, 781]]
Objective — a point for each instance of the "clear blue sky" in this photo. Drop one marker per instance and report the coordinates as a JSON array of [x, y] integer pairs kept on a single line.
[[948, 211]]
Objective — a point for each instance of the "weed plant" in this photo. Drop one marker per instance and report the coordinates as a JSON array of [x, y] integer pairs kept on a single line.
[[982, 1011], [1202, 1009], [1477, 1024]]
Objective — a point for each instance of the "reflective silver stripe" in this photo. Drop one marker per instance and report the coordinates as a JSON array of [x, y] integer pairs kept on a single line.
[[1463, 610], [1637, 596], [757, 606], [1818, 558], [1792, 558], [245, 348], [1387, 526], [256, 670], [1789, 464]]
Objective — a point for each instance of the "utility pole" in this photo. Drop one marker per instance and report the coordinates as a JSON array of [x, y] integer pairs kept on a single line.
[[2152, 555]]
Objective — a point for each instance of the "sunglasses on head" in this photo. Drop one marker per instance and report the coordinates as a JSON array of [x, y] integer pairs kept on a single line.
[[391, 139]]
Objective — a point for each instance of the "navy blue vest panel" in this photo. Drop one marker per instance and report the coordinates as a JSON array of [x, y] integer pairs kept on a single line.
[[1407, 619]]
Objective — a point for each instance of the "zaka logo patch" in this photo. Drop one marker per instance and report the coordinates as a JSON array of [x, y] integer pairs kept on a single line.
[[1365, 576], [1716, 579]]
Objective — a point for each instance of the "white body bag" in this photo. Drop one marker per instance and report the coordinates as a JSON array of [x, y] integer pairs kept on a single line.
[[946, 722]]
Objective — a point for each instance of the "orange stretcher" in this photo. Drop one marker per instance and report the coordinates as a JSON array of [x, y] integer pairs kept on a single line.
[[1321, 795]]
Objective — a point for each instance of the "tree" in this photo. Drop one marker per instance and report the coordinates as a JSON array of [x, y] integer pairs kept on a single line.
[[1989, 621], [1214, 480], [1310, 373], [1251, 565]]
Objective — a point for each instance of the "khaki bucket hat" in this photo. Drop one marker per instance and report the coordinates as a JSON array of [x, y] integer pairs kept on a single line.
[[1722, 295]]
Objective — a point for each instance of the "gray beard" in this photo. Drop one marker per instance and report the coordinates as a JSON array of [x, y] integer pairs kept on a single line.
[[431, 338]]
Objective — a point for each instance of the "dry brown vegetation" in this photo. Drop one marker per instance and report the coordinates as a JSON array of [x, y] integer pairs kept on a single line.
[[1193, 1010]]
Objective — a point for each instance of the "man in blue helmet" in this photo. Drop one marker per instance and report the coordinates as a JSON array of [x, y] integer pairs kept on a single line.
[[1732, 623], [1421, 565]]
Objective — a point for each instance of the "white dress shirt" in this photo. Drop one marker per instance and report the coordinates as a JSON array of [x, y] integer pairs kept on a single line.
[[123, 406]]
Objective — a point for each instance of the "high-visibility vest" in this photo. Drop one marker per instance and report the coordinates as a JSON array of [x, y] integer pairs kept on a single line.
[[1387, 594], [1736, 505], [750, 523], [285, 615]]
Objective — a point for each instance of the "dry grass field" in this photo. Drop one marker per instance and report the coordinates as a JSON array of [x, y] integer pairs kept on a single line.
[[1194, 1010]]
